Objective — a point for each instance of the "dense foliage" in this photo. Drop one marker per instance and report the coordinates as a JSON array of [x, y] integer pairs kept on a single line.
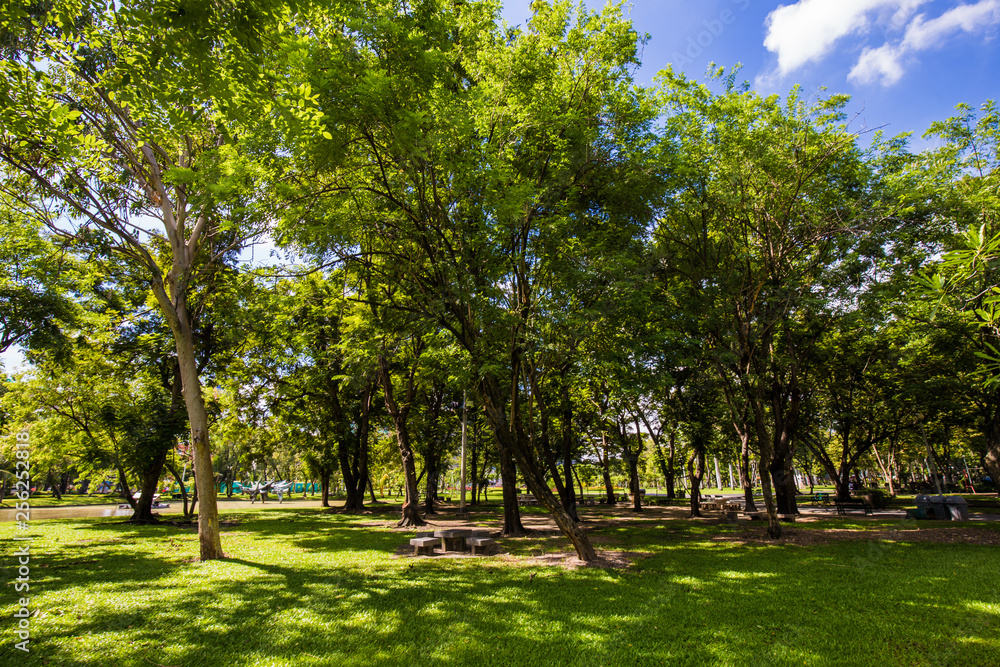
[[476, 223]]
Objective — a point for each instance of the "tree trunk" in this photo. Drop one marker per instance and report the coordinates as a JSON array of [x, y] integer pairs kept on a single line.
[[990, 456], [746, 478], [633, 482], [603, 459], [324, 480], [398, 412], [513, 441], [578, 482], [364, 428], [144, 507], [208, 516], [50, 480], [564, 487], [173, 471], [766, 456], [566, 415], [671, 463], [512, 526], [784, 482], [431, 469], [354, 484], [696, 471], [194, 496], [474, 466], [126, 493], [633, 466]]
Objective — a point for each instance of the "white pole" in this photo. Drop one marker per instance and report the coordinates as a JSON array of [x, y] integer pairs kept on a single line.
[[465, 415]]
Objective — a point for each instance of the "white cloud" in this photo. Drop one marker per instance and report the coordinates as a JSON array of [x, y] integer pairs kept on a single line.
[[923, 34], [806, 31], [882, 64]]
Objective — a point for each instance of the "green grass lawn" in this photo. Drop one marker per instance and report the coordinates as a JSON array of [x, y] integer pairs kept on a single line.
[[46, 499], [302, 587]]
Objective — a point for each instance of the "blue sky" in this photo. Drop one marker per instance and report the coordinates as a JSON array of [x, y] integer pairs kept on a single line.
[[905, 63]]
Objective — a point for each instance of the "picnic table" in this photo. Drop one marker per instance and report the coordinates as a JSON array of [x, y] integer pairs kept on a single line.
[[716, 502], [451, 539]]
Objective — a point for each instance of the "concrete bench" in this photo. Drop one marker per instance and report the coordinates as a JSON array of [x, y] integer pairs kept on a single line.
[[419, 543], [480, 542]]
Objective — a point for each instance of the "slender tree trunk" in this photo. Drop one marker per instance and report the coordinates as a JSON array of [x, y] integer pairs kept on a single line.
[[354, 484], [989, 457], [671, 463], [566, 410], [324, 484], [431, 468], [513, 440], [364, 428], [50, 480], [474, 467], [746, 478], [696, 471], [208, 516], [661, 463], [194, 496], [126, 492], [766, 455], [180, 483], [578, 482], [398, 412], [609, 487], [633, 466]]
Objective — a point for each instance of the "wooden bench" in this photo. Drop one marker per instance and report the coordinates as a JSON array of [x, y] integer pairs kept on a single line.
[[844, 505], [480, 542], [419, 543]]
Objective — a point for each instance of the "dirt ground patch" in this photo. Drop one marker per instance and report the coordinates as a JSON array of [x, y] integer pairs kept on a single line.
[[544, 545]]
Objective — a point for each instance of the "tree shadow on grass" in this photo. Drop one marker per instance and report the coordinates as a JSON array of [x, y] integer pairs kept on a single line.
[[691, 602]]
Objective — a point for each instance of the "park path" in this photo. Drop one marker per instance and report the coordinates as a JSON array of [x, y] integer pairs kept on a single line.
[[176, 507]]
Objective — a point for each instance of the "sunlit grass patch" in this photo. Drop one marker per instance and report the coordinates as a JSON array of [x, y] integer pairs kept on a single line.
[[304, 587]]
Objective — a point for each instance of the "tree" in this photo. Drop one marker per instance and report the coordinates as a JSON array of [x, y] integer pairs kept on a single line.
[[771, 200], [36, 286], [963, 176], [479, 157], [109, 126], [299, 364], [102, 414]]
